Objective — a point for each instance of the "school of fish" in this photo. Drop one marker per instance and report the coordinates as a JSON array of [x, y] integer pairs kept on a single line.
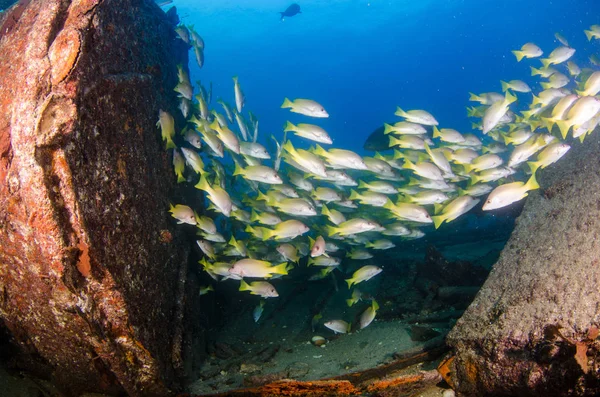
[[308, 204]]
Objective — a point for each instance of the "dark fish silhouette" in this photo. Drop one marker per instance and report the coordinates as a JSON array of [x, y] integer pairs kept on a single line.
[[291, 11], [377, 141]]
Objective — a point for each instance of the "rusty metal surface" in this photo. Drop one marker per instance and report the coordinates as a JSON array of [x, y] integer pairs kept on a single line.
[[90, 287]]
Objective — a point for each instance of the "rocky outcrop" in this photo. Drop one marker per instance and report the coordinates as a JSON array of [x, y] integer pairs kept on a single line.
[[531, 330], [92, 270]]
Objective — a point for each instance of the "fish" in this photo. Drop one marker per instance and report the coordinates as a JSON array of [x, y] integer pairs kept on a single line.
[[240, 99], [368, 315], [167, 127], [205, 289], [551, 154], [287, 229], [324, 261], [408, 212], [377, 140], [559, 55], [365, 273], [591, 86], [263, 289], [183, 214], [289, 252], [454, 209], [338, 326], [515, 85], [582, 111], [255, 150], [317, 246], [593, 32], [417, 116], [254, 268], [309, 131], [293, 9], [258, 173], [509, 193], [528, 50], [352, 226], [306, 107], [258, 311], [217, 195], [193, 159], [334, 216], [178, 165], [496, 111], [448, 135]]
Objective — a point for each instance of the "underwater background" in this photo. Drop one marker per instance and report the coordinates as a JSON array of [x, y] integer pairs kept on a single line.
[[361, 59]]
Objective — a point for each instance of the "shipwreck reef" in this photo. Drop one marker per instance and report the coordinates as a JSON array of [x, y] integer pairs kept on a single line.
[[92, 271], [532, 328]]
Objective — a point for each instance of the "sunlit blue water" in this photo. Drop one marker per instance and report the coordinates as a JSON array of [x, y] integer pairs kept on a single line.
[[361, 59]]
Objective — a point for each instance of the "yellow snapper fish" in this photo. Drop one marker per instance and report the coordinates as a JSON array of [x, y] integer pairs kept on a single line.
[[477, 190], [438, 158], [192, 137], [593, 32], [378, 187], [287, 229], [317, 246], [560, 110], [206, 224], [357, 296], [408, 142], [219, 197], [183, 214], [404, 127], [288, 252], [254, 268], [417, 116], [178, 165], [265, 218], [483, 162], [583, 110], [496, 111], [338, 326], [515, 85], [529, 50], [365, 273], [254, 149], [378, 167], [326, 194], [242, 126], [396, 229], [305, 159], [426, 197], [561, 39], [227, 137], [307, 107], [454, 209], [334, 216], [557, 80], [369, 198], [341, 158], [359, 254], [425, 170], [167, 127], [509, 193], [207, 248], [551, 154], [258, 173], [448, 135], [408, 211], [309, 131], [193, 159], [324, 261], [573, 69], [381, 244], [559, 55], [368, 315], [486, 98], [261, 288], [591, 86], [352, 226], [205, 289], [258, 311], [239, 95]]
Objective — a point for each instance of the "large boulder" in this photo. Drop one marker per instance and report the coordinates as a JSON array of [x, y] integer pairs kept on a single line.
[[92, 270], [531, 329]]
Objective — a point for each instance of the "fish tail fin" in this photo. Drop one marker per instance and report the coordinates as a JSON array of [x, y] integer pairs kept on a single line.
[[282, 268], [397, 155], [545, 85], [519, 54], [267, 234], [545, 62], [564, 127], [310, 262], [350, 302], [532, 183], [504, 85], [533, 166], [438, 220], [289, 127], [318, 150], [180, 178], [361, 185], [286, 103], [244, 286], [535, 101], [389, 205], [254, 216], [468, 168], [238, 169], [436, 132], [387, 128], [288, 147], [394, 141], [235, 79], [474, 98], [350, 281], [331, 230], [325, 211], [400, 112], [535, 72], [203, 184], [475, 179], [589, 34], [438, 208], [354, 195], [509, 97], [170, 143], [374, 305], [409, 165]]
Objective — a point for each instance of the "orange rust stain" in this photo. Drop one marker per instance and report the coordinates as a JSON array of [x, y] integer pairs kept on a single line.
[[471, 371], [63, 54], [394, 382], [122, 168], [445, 369], [165, 237], [83, 264]]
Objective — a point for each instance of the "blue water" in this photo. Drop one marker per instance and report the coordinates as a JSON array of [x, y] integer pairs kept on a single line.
[[360, 59]]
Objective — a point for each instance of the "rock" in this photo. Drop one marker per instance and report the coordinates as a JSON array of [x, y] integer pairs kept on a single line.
[[546, 278], [93, 273]]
